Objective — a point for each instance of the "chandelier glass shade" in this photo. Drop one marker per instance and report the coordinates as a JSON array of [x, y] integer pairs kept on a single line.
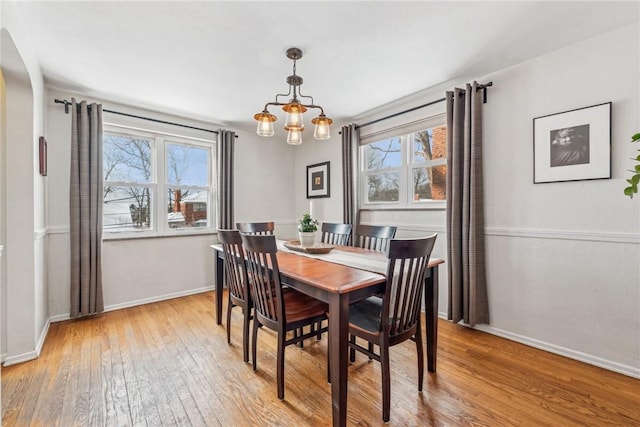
[[294, 109], [265, 123]]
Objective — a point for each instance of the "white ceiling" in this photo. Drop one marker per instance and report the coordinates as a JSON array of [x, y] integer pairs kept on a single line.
[[222, 61]]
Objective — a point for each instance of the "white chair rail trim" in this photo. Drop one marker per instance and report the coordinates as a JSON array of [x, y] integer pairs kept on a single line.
[[531, 233], [591, 236]]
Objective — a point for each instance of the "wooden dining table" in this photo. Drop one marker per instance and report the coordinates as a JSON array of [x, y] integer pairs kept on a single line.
[[339, 285]]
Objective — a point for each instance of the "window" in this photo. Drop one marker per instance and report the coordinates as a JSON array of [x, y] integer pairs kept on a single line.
[[156, 184], [404, 171]]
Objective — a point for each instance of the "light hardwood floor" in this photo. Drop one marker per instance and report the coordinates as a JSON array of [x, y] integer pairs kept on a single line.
[[168, 363]]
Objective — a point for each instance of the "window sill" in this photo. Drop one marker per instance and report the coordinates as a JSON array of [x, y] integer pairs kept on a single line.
[[155, 235], [424, 206]]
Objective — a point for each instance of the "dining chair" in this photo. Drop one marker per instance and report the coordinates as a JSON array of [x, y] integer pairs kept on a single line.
[[395, 317], [374, 237], [260, 228], [279, 311], [237, 282], [335, 234]]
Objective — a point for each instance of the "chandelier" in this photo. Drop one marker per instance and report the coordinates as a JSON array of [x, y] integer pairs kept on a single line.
[[294, 124]]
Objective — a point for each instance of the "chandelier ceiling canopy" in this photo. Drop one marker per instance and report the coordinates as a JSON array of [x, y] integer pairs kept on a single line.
[[294, 109]]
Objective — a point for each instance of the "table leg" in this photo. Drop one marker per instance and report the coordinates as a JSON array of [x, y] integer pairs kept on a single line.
[[431, 308], [219, 286], [338, 359]]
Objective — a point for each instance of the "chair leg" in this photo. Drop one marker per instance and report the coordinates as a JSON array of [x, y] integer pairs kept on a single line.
[[352, 352], [386, 381], [296, 333], [254, 344], [280, 365], [329, 361], [319, 336], [420, 351], [245, 334], [229, 307], [371, 350]]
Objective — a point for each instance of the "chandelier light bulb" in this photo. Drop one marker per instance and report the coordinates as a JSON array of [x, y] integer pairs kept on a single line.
[[321, 132], [294, 118], [294, 136], [294, 109], [265, 123], [265, 128], [322, 129]]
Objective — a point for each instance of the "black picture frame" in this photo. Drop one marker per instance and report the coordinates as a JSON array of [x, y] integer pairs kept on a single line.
[[318, 180], [42, 156], [574, 145]]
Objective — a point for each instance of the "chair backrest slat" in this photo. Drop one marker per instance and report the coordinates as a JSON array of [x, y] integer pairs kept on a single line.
[[234, 266], [335, 234], [375, 237], [264, 277], [406, 271], [259, 228]]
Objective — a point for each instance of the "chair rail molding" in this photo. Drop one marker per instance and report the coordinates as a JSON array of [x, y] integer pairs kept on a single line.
[[532, 233], [589, 236], [58, 229], [40, 234]]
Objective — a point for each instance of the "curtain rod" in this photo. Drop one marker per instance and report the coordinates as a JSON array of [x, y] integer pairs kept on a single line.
[[68, 103], [437, 101]]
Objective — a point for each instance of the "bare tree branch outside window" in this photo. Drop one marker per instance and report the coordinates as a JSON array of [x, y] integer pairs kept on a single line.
[[127, 160], [424, 166]]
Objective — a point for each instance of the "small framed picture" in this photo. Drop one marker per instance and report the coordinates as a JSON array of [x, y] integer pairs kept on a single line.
[[318, 180], [572, 146], [42, 155]]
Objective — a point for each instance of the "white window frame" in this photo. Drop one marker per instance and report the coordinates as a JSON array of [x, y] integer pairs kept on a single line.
[[406, 200], [159, 225]]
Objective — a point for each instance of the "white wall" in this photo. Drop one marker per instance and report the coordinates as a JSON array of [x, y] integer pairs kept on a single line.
[[24, 293], [563, 259], [265, 181], [137, 271], [327, 209], [3, 231]]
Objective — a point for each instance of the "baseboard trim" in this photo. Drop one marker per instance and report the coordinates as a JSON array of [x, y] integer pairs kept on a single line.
[[552, 348], [165, 297], [29, 355], [20, 358], [555, 349], [129, 304]]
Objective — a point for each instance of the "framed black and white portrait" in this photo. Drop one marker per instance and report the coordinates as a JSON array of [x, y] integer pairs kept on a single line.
[[573, 145]]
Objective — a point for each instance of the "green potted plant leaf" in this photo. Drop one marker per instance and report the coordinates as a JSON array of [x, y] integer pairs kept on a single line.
[[307, 228], [635, 178]]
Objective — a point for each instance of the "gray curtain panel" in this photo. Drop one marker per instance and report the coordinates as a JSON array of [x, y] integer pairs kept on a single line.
[[226, 140], [468, 300], [350, 140], [85, 208]]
